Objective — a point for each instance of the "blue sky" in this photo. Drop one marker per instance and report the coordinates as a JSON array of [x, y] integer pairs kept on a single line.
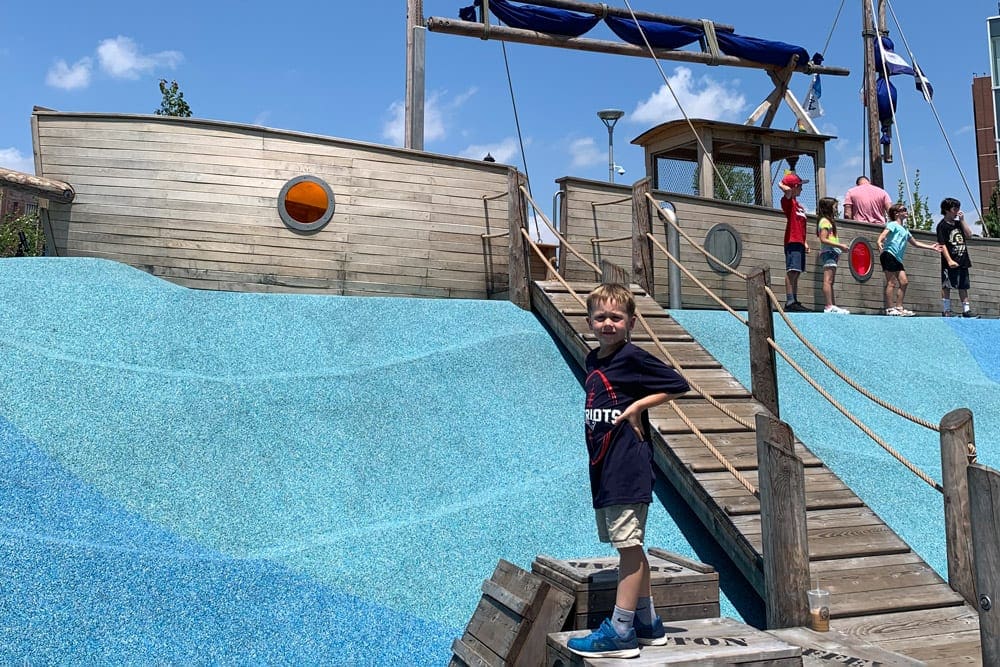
[[338, 69]]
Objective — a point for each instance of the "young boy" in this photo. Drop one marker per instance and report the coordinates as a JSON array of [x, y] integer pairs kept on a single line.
[[796, 243], [892, 246], [952, 233], [623, 382]]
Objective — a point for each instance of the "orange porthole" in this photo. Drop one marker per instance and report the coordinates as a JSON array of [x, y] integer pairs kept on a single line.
[[306, 203], [861, 259]]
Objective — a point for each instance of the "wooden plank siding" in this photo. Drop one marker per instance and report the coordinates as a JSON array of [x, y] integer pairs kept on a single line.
[[761, 230], [196, 202]]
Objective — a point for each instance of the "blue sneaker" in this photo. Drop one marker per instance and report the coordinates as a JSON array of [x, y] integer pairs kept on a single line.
[[650, 635], [604, 642]]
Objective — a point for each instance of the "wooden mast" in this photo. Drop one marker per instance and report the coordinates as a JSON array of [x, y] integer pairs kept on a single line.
[[413, 131], [869, 34]]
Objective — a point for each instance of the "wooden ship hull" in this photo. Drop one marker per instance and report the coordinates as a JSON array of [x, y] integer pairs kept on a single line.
[[197, 202]]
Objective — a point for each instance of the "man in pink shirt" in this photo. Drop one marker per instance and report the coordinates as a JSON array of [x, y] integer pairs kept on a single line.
[[866, 202]]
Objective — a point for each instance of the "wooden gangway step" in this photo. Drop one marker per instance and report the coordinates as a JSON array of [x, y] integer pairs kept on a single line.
[[869, 570]]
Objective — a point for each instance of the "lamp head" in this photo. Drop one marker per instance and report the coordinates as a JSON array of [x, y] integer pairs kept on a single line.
[[610, 116]]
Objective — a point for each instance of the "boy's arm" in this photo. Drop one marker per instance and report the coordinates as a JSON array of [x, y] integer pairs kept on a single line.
[[633, 413], [784, 189], [881, 238]]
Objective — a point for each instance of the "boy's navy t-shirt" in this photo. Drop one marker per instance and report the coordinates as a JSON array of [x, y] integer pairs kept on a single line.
[[621, 465]]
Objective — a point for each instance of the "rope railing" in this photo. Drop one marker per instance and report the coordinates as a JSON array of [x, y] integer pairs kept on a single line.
[[843, 376], [562, 240], [781, 311], [673, 223], [776, 304], [708, 290], [854, 420], [680, 369]]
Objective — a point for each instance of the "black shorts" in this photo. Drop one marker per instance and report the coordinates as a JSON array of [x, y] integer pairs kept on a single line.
[[889, 262], [957, 278]]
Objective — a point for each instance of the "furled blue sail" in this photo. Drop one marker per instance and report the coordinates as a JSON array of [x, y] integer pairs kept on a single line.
[[542, 19], [885, 94], [660, 35], [760, 50]]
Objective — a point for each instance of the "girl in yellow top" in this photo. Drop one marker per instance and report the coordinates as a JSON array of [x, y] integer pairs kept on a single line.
[[830, 249]]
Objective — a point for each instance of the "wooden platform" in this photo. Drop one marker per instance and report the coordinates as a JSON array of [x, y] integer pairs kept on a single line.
[[881, 591]]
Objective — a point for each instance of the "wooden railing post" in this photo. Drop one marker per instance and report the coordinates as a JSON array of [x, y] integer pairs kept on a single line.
[[781, 480], [763, 366], [517, 217], [984, 499], [642, 225], [612, 273], [958, 450]]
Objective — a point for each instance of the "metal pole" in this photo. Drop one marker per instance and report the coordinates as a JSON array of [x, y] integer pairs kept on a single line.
[[611, 153]]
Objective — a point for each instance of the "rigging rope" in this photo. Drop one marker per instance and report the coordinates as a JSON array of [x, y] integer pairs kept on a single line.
[[677, 101], [913, 60], [892, 106]]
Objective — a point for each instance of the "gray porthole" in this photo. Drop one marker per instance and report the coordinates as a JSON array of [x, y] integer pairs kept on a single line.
[[724, 242], [861, 259], [306, 203]]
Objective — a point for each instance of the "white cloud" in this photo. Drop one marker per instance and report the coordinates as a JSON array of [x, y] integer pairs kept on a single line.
[[61, 75], [120, 58], [701, 98], [263, 118], [11, 158], [438, 111], [503, 151], [585, 153]]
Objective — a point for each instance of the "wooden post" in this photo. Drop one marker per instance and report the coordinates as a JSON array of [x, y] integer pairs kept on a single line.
[[958, 440], [984, 497], [763, 366], [517, 217], [642, 224], [781, 479]]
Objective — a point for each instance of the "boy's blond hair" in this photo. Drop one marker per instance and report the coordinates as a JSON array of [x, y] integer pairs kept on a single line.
[[614, 293]]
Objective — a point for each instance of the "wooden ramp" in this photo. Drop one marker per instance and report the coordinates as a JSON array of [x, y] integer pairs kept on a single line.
[[882, 592]]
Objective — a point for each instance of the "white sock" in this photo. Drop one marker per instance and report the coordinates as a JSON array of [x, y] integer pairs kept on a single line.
[[622, 621], [965, 307]]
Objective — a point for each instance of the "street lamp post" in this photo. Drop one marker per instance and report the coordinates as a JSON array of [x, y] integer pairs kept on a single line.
[[609, 117]]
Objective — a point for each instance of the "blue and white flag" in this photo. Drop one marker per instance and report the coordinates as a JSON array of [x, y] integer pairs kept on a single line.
[[896, 64], [812, 106]]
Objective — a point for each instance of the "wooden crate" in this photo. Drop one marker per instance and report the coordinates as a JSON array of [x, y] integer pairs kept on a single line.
[[706, 641], [518, 609], [682, 588]]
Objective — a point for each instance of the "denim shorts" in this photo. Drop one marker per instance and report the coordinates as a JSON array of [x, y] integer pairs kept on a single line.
[[795, 257], [828, 258]]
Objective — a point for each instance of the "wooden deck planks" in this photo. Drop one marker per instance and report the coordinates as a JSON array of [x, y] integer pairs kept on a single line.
[[881, 592]]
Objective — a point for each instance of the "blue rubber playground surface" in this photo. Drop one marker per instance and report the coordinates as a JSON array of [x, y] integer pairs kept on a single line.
[[198, 477], [203, 477]]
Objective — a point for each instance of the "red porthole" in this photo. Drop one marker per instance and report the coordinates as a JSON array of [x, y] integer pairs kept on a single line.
[[861, 259]]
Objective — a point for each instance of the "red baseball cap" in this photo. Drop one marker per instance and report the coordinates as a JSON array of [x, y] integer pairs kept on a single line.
[[793, 180]]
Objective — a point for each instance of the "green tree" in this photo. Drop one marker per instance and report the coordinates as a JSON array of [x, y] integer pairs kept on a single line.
[[173, 103], [740, 181], [991, 219], [921, 215], [22, 235]]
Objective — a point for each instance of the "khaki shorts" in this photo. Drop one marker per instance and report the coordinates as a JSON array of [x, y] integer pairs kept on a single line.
[[622, 525]]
